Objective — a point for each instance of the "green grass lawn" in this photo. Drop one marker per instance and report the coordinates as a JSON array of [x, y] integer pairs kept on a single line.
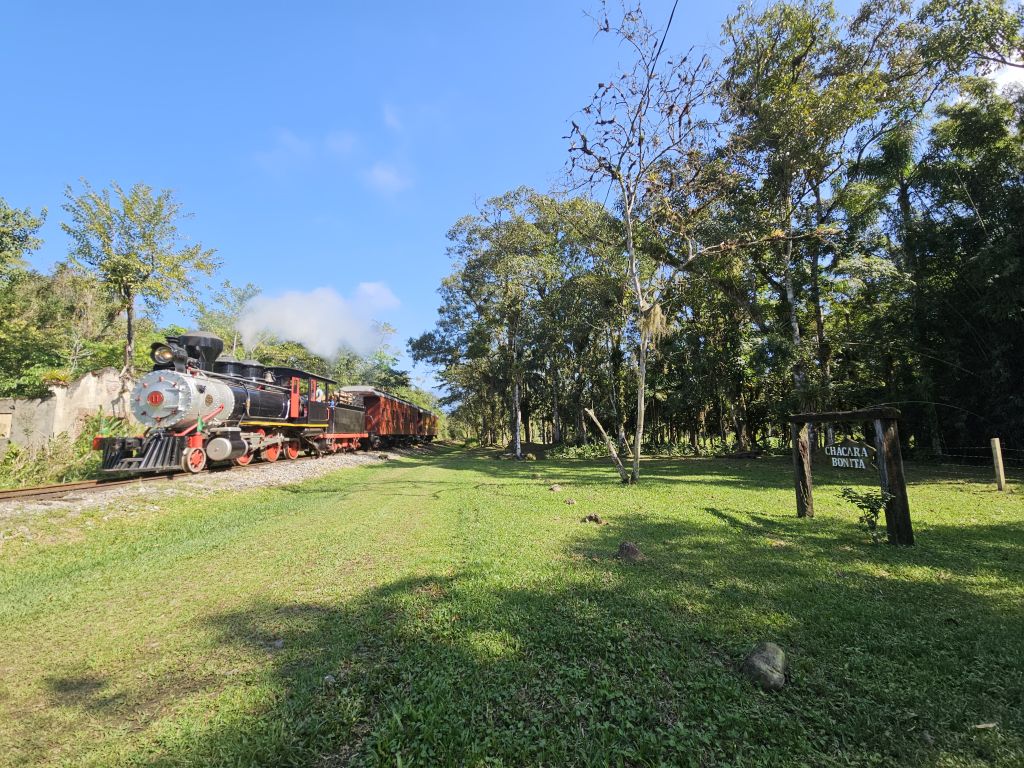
[[466, 616]]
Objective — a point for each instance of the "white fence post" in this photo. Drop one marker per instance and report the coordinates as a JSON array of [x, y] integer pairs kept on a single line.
[[997, 460]]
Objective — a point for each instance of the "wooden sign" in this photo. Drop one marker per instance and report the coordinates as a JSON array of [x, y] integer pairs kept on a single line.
[[891, 480], [850, 454]]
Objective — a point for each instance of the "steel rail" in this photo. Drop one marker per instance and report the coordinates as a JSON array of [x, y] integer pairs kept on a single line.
[[86, 486]]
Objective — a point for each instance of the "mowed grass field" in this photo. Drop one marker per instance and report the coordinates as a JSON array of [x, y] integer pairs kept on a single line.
[[448, 609]]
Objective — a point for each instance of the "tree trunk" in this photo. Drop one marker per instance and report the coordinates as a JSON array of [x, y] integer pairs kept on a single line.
[[129, 344], [615, 355], [526, 415], [641, 314], [610, 446], [824, 351], [517, 447], [556, 421], [641, 404]]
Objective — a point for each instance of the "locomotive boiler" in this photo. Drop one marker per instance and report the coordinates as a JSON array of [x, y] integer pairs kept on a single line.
[[200, 407]]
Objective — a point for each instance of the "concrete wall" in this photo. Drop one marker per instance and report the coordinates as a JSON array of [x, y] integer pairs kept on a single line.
[[30, 423]]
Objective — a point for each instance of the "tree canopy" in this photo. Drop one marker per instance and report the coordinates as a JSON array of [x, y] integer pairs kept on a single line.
[[824, 217]]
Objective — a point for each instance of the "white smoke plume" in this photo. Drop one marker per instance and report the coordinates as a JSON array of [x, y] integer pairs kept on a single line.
[[321, 319]]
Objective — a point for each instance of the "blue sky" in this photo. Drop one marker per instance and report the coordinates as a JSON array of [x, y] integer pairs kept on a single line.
[[317, 144]]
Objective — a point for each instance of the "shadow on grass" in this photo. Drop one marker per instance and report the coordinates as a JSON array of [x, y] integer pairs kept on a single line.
[[895, 657]]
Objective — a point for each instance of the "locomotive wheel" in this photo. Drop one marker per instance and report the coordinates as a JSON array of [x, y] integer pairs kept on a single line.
[[291, 450], [243, 461], [193, 460], [271, 453]]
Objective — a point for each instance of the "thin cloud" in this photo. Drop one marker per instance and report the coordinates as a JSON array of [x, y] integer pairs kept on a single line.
[[340, 143], [391, 118], [289, 150], [387, 179]]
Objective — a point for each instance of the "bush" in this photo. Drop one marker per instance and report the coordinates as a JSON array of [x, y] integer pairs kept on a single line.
[[586, 451], [871, 506], [61, 460], [58, 377]]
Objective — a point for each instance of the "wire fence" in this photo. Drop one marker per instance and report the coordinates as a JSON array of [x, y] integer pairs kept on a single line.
[[970, 463]]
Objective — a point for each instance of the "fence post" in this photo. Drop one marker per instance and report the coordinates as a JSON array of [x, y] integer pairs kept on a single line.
[[997, 460], [893, 482], [802, 470]]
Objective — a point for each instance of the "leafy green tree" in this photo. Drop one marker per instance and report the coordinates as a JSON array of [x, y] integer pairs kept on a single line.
[[18, 236], [131, 241]]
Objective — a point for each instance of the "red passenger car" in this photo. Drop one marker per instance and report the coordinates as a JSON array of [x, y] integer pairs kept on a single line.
[[391, 420]]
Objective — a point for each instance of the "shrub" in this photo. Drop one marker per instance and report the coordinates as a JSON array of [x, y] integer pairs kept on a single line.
[[57, 377], [871, 506], [62, 459], [586, 451]]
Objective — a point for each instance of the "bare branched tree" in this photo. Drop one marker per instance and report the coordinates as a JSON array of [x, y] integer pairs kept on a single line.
[[655, 115]]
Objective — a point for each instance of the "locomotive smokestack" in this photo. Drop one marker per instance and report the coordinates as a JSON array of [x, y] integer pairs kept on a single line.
[[202, 346]]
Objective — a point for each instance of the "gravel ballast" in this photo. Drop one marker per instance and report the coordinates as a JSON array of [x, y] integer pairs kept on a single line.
[[259, 475]]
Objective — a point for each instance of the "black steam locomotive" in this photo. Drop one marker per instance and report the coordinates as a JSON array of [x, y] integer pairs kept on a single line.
[[200, 407]]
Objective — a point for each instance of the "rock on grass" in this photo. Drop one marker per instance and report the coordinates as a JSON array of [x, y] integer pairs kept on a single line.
[[592, 518], [555, 487], [766, 666], [630, 553]]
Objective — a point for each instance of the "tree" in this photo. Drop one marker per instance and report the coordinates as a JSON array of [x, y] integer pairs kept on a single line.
[[982, 33], [130, 240], [651, 116], [18, 230]]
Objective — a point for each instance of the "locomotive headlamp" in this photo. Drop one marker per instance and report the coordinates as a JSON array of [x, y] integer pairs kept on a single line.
[[162, 354]]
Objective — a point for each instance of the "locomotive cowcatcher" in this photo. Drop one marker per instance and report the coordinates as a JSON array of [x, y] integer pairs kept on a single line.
[[201, 407]]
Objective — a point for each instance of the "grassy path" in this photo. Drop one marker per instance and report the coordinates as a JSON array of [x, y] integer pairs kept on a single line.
[[451, 610]]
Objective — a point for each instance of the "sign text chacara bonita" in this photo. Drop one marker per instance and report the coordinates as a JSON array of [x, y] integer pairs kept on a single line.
[[849, 454]]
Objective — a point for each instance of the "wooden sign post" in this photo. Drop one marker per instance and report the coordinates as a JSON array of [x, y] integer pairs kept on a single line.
[[890, 465]]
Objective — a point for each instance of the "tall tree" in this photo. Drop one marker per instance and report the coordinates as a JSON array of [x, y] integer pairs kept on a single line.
[[653, 115], [132, 243]]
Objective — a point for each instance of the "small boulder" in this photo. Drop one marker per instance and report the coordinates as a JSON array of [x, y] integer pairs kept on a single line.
[[766, 666], [592, 518], [330, 680], [555, 487], [570, 501], [630, 553]]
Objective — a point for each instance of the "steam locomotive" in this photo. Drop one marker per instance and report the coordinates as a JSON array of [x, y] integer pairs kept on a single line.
[[201, 407]]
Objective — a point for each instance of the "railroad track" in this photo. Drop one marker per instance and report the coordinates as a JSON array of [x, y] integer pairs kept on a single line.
[[63, 489], [102, 484]]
